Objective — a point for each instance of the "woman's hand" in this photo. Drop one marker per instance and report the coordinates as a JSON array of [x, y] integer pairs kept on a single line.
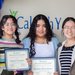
[[56, 73], [29, 61], [29, 72], [15, 72]]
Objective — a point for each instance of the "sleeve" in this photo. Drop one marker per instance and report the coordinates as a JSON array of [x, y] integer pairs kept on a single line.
[[26, 43], [55, 42]]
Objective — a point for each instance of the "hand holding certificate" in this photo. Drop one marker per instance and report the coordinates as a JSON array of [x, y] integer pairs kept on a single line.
[[16, 59], [43, 66]]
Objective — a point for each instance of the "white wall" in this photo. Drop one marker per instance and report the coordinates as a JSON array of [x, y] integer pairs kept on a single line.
[[55, 9]]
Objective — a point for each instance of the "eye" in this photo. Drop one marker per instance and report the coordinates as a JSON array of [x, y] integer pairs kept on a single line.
[[44, 25], [37, 25], [13, 24], [66, 27], [6, 24], [73, 27]]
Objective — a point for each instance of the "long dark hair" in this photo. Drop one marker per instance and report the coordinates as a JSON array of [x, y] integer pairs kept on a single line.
[[32, 32], [3, 21]]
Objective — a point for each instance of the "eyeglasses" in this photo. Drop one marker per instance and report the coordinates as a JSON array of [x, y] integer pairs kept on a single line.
[[12, 24], [67, 27]]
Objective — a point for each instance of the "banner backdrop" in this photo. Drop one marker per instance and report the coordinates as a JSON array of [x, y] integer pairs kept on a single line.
[[1, 2], [25, 10]]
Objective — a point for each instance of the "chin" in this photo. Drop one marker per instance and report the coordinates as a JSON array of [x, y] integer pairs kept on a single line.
[[70, 37]]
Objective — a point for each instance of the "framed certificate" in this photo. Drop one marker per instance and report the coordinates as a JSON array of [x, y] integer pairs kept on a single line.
[[43, 66], [16, 59]]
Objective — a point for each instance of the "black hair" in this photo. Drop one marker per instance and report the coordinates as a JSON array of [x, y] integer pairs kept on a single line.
[[3, 21]]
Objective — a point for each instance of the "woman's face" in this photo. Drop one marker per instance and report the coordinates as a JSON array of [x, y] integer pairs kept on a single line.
[[40, 28], [9, 27], [69, 29]]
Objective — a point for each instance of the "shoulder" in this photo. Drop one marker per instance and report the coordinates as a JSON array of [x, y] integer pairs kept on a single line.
[[60, 45], [1, 40], [55, 40], [6, 43], [26, 40]]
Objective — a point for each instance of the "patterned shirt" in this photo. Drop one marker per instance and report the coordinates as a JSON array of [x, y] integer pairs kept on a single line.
[[65, 59], [3, 45]]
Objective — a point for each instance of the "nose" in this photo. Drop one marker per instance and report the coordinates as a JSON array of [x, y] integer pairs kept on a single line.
[[69, 29], [10, 26], [41, 29]]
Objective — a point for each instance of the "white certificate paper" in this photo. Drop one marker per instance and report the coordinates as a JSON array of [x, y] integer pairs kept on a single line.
[[16, 59], [43, 66]]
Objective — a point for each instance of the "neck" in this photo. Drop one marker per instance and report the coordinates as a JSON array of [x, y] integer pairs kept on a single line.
[[8, 36], [70, 42], [41, 40]]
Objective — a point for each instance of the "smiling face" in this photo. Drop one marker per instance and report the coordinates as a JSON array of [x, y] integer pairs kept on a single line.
[[69, 29], [40, 28], [9, 27]]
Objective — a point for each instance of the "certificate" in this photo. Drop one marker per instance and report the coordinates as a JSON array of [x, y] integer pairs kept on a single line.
[[16, 59], [43, 66]]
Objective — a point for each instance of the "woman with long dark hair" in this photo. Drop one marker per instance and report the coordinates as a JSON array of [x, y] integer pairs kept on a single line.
[[40, 40]]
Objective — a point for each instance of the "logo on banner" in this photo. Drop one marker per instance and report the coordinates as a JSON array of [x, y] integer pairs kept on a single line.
[[27, 22]]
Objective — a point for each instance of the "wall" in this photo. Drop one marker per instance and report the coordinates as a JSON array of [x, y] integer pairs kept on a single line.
[[25, 10]]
